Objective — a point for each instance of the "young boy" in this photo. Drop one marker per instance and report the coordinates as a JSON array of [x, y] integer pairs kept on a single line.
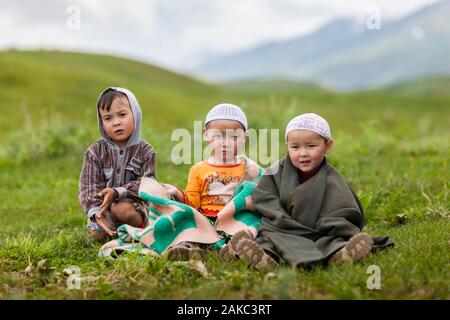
[[212, 183], [114, 165], [309, 212]]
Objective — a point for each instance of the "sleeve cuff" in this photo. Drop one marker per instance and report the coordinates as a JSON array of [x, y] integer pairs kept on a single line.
[[122, 192], [92, 212], [186, 200]]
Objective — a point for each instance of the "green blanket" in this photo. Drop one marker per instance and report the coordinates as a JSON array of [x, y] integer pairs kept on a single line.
[[304, 223], [171, 222]]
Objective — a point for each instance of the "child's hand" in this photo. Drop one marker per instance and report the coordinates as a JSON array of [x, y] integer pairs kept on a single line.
[[172, 190], [109, 195]]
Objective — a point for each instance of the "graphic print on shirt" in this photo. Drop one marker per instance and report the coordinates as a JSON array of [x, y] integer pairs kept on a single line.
[[220, 188]]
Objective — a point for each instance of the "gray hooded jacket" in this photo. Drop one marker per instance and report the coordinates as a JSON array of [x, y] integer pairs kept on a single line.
[[107, 166]]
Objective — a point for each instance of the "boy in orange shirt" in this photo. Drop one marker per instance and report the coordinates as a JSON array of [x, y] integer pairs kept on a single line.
[[212, 182]]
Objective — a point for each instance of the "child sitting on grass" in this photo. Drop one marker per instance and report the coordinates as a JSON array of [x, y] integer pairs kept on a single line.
[[309, 212], [114, 165], [212, 183]]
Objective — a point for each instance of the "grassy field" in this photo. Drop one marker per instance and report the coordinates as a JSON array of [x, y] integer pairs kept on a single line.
[[392, 145]]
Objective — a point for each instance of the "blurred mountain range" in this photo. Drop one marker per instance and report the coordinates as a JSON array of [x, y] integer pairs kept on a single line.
[[346, 55]]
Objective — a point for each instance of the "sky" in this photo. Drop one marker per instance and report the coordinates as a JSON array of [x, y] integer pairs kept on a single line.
[[175, 34]]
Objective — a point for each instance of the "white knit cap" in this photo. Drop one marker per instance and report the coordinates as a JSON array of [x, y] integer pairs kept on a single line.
[[227, 111], [311, 122]]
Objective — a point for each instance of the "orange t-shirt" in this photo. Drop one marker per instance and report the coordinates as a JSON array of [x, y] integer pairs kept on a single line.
[[210, 187]]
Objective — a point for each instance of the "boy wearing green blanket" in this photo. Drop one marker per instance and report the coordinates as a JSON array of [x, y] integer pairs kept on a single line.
[[309, 212]]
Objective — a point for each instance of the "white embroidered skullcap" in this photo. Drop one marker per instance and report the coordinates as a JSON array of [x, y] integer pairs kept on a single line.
[[311, 122], [227, 111]]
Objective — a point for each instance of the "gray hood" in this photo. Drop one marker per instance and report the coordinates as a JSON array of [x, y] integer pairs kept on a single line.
[[137, 115]]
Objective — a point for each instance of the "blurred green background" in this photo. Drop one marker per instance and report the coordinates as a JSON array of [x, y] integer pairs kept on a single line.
[[392, 145]]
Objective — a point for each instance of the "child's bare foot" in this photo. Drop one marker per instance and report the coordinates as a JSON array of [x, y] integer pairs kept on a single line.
[[101, 221], [185, 251], [255, 256], [228, 251], [357, 248]]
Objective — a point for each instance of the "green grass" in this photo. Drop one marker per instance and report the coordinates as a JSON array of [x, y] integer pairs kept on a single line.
[[434, 85], [392, 147]]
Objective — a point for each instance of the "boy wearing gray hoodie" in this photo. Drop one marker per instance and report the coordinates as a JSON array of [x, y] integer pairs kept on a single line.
[[113, 166]]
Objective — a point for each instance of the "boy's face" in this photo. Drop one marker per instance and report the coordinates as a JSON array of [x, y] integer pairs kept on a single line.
[[307, 149], [118, 122], [226, 138]]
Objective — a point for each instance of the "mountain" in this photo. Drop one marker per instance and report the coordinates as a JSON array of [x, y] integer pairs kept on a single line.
[[345, 55]]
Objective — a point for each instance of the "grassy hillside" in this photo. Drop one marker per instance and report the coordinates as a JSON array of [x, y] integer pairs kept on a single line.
[[275, 85], [67, 84], [430, 86], [38, 86], [393, 149]]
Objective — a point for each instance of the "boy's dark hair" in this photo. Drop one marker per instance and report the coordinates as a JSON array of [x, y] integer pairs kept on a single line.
[[107, 98]]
